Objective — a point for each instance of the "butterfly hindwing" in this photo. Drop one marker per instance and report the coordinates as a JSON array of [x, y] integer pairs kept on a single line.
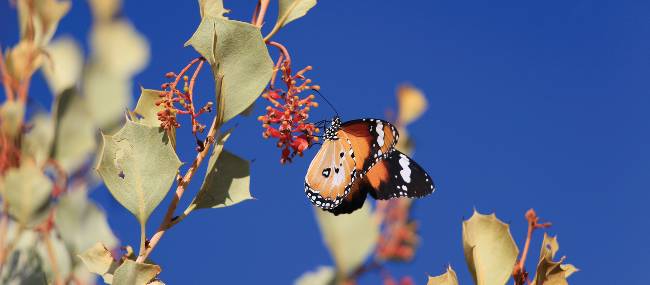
[[356, 198], [398, 175], [331, 173], [371, 139]]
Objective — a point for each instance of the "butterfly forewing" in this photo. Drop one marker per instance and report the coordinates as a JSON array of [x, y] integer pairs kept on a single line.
[[371, 139], [331, 173], [398, 176]]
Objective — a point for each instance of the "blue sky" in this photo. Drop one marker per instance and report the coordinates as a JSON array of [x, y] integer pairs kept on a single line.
[[538, 104]]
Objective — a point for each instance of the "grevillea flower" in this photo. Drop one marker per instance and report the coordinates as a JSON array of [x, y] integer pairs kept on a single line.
[[286, 118], [399, 237], [171, 96]]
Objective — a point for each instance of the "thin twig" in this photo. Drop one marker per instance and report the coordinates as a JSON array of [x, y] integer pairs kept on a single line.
[[255, 12], [45, 236], [275, 71], [5, 78], [167, 222], [283, 50], [191, 94], [6, 251], [260, 17], [519, 273]]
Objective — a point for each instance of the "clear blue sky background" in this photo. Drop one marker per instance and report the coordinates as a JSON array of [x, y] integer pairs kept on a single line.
[[540, 104]]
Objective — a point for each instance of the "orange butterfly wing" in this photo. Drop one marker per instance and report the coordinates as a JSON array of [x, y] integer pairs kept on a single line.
[[371, 140], [331, 173]]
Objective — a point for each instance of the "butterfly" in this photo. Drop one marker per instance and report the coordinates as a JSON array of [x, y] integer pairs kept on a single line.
[[358, 158]]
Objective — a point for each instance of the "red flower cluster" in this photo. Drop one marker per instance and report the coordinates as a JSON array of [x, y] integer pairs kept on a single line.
[[399, 238], [406, 280], [286, 119], [171, 95]]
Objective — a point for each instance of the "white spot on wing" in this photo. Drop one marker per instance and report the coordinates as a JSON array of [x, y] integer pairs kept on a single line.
[[380, 131], [406, 170]]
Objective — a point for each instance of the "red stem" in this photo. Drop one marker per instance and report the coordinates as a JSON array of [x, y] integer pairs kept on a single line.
[[283, 50], [263, 4], [519, 273]]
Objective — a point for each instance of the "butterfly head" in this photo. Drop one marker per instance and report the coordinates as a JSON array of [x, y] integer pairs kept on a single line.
[[330, 132]]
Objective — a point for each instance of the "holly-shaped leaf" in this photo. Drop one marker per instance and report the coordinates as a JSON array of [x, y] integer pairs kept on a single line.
[[323, 275], [98, 259], [81, 223], [138, 165], [27, 191], [226, 183], [147, 109], [132, 273], [350, 238], [448, 278], [212, 8], [490, 250], [239, 52], [293, 9], [551, 272]]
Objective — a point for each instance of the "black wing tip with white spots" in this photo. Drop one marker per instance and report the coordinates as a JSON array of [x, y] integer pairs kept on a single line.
[[407, 179]]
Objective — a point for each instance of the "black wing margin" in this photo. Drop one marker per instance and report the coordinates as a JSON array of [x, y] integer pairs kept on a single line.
[[399, 176]]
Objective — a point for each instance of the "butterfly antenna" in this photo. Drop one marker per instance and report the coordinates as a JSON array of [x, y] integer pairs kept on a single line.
[[327, 101]]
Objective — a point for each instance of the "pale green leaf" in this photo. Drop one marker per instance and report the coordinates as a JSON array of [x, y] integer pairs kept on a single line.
[[23, 60], [11, 117], [448, 278], [138, 165], [227, 181], [81, 273], [59, 252], [323, 275], [105, 10], [27, 191], [212, 8], [242, 58], [350, 238], [119, 49], [551, 272], [63, 69], [146, 107], [107, 96], [98, 259], [37, 142], [293, 9], [23, 266], [44, 16], [75, 135], [490, 250], [81, 223], [132, 273], [412, 104]]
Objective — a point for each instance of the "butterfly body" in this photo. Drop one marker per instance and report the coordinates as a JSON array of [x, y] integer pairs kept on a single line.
[[358, 158]]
